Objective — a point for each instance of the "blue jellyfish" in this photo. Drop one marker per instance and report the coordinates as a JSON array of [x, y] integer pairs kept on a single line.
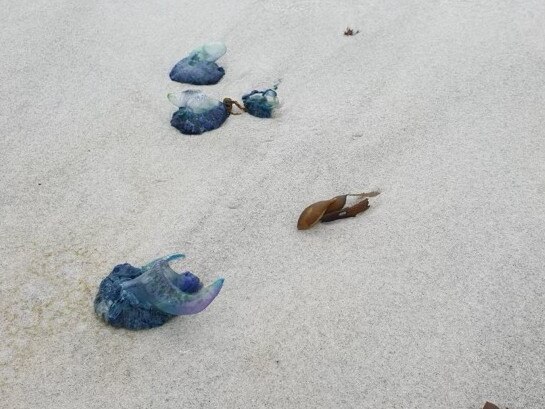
[[199, 67], [197, 112], [260, 103], [147, 297]]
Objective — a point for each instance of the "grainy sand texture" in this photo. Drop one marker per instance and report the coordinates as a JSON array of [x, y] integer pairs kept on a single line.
[[433, 298]]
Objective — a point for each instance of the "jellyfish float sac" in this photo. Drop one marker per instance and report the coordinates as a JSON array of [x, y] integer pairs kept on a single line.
[[147, 297], [197, 113], [199, 67], [261, 103]]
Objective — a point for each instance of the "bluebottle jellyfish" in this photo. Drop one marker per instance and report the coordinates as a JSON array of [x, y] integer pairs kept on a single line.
[[197, 112], [260, 103], [147, 297], [199, 67]]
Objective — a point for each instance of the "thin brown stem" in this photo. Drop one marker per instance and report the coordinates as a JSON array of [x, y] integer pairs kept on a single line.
[[365, 194]]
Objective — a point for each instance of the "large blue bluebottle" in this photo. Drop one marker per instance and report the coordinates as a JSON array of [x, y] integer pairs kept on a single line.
[[147, 297], [197, 112], [199, 67], [260, 103]]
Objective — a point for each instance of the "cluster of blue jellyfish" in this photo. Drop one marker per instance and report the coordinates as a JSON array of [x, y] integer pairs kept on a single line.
[[197, 113], [147, 297]]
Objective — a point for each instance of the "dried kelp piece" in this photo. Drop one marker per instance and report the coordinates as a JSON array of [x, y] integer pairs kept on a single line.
[[333, 209], [489, 405], [199, 67], [314, 213], [352, 211], [139, 298]]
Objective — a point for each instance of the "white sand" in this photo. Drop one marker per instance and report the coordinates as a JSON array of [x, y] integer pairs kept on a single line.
[[434, 298]]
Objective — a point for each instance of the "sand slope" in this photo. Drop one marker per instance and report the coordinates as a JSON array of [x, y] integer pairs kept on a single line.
[[433, 298]]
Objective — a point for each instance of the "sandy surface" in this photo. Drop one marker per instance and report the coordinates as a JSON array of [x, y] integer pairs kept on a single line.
[[433, 298]]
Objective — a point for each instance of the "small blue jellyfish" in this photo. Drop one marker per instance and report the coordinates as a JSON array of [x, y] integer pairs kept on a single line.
[[197, 112], [260, 103], [147, 297], [199, 67]]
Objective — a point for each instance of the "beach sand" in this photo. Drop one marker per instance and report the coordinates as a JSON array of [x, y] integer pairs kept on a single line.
[[433, 298]]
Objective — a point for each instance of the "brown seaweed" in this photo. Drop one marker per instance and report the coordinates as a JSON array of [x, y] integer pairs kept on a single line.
[[333, 209]]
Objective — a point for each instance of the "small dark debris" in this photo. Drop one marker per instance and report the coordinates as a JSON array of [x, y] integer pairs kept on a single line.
[[350, 32], [489, 405]]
